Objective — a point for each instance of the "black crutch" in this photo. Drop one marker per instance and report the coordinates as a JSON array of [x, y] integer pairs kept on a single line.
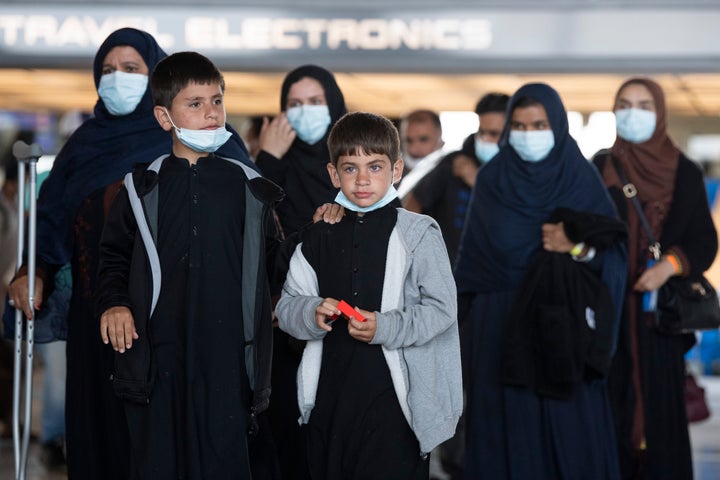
[[27, 157]]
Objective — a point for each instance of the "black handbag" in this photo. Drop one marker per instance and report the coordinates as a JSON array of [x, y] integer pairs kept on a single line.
[[684, 304]]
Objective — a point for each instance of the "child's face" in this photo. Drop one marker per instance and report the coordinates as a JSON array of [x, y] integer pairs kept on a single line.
[[365, 179], [195, 107]]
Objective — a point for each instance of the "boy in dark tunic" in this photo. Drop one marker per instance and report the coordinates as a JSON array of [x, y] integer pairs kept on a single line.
[[375, 395], [183, 289]]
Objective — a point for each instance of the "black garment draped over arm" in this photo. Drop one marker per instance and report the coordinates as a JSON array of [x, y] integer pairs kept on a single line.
[[562, 324]]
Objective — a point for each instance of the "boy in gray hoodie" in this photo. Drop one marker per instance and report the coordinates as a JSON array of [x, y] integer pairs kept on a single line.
[[379, 385]]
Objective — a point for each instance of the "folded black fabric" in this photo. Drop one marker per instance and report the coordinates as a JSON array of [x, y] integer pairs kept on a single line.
[[561, 326]]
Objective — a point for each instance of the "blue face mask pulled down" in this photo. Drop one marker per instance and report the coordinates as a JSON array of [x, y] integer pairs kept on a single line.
[[121, 92], [206, 141], [390, 195], [534, 145], [635, 124], [310, 122], [485, 151]]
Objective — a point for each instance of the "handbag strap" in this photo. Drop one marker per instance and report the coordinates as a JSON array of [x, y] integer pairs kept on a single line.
[[630, 192]]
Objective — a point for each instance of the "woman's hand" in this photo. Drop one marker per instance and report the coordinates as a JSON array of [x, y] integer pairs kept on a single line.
[[276, 136], [20, 296], [329, 213], [655, 276], [554, 238]]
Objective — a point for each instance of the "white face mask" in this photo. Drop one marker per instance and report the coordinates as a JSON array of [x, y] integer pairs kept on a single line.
[[485, 151], [389, 196], [310, 122], [121, 92], [206, 141], [635, 124], [533, 145]]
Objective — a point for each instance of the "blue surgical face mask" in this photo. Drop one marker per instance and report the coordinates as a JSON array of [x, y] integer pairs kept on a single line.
[[121, 92], [310, 122], [206, 141], [485, 151], [533, 145], [390, 195], [635, 125]]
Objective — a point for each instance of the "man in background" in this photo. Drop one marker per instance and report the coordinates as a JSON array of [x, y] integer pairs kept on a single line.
[[422, 145]]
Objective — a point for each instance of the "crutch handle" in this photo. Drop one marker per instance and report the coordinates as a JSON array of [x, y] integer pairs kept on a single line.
[[24, 152]]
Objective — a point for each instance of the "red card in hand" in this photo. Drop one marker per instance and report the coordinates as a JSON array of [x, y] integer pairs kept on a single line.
[[349, 311]]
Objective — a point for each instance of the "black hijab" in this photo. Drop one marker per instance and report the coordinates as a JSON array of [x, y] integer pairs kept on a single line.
[[102, 150], [305, 178]]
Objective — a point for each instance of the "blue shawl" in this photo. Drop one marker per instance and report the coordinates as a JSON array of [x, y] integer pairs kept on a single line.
[[512, 198]]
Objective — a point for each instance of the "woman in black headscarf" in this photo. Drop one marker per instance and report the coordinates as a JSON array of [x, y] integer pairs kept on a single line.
[[71, 208], [293, 147], [514, 431], [294, 154], [648, 374]]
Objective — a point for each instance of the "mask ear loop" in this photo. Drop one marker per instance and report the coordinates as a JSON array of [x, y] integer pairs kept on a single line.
[[171, 120]]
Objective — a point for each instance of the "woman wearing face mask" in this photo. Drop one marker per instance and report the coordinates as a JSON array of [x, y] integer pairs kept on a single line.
[[526, 429], [648, 372], [71, 208], [294, 154], [293, 146]]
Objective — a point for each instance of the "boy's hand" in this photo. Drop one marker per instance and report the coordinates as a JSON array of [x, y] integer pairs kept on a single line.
[[324, 313], [118, 327], [329, 213], [363, 331]]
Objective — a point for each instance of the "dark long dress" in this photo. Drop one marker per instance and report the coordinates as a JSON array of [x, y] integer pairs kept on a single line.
[[514, 433], [95, 416], [71, 212], [357, 429], [196, 422], [92, 409], [648, 373]]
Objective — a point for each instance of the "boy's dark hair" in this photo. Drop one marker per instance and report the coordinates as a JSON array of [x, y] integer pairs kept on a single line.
[[364, 133], [177, 71], [492, 103]]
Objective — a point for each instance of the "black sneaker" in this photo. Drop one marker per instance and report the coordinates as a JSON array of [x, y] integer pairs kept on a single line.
[[53, 455]]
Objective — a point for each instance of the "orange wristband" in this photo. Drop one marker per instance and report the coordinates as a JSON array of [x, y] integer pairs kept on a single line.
[[673, 260]]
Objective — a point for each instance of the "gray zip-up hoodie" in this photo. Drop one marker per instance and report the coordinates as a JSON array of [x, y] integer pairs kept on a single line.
[[417, 328]]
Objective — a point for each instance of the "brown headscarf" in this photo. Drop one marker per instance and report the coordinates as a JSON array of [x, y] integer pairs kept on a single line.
[[650, 165]]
